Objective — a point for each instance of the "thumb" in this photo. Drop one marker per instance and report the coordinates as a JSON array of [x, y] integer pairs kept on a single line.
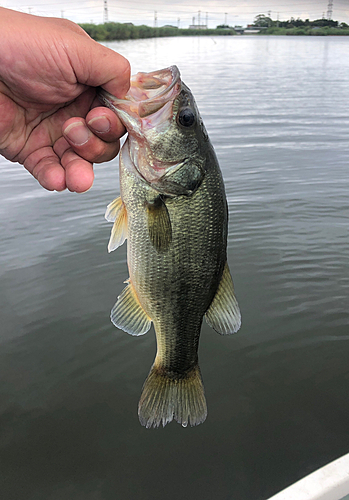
[[96, 65]]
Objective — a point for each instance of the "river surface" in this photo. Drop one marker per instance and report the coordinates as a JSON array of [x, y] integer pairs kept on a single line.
[[276, 110]]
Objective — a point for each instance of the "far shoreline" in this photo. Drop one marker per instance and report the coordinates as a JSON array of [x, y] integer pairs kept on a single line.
[[108, 32]]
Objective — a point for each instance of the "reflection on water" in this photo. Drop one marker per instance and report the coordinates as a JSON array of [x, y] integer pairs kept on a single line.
[[277, 391]]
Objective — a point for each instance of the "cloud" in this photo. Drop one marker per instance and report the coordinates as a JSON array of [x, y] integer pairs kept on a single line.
[[168, 12]]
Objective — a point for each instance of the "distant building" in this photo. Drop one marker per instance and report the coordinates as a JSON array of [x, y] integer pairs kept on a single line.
[[169, 26], [252, 29], [239, 29], [198, 27]]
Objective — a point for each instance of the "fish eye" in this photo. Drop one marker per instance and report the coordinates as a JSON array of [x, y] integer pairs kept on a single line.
[[186, 117]]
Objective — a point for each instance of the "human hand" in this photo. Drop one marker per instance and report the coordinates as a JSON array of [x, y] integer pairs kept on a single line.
[[51, 120]]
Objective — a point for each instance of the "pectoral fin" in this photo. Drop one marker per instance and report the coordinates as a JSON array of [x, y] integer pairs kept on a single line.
[[128, 313], [159, 224], [223, 314], [116, 212]]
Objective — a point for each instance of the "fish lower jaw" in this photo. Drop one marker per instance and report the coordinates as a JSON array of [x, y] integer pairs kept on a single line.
[[150, 167], [153, 170]]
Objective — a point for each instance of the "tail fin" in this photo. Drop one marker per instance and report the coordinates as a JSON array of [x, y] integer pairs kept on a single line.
[[165, 398]]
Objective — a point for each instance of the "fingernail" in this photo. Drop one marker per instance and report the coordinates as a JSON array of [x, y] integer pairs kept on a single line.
[[100, 124], [77, 133]]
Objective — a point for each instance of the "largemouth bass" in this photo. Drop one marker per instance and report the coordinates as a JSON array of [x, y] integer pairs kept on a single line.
[[173, 212]]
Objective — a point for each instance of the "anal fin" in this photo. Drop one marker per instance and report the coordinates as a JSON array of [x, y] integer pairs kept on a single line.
[[128, 314], [223, 315], [116, 212]]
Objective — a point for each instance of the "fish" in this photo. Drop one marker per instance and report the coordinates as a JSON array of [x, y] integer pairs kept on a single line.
[[173, 212]]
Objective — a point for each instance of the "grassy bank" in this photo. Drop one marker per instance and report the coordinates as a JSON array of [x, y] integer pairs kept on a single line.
[[119, 31], [305, 30]]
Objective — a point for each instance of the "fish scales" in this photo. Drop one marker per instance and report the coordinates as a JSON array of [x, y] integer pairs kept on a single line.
[[173, 211], [176, 287]]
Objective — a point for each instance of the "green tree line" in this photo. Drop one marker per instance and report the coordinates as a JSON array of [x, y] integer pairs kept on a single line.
[[120, 31], [300, 27]]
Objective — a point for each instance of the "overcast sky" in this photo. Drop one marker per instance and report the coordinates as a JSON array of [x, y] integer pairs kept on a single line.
[[181, 12]]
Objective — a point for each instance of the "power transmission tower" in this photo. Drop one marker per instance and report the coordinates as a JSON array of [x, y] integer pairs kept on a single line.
[[329, 9], [155, 19], [105, 12]]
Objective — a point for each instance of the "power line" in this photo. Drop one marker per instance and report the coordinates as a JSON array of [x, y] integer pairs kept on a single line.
[[173, 5], [135, 12]]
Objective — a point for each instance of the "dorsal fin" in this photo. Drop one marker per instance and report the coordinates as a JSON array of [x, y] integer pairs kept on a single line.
[[128, 314], [159, 224], [116, 212], [223, 315]]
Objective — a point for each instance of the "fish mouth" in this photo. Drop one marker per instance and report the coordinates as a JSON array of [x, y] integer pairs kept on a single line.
[[147, 105], [148, 101]]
